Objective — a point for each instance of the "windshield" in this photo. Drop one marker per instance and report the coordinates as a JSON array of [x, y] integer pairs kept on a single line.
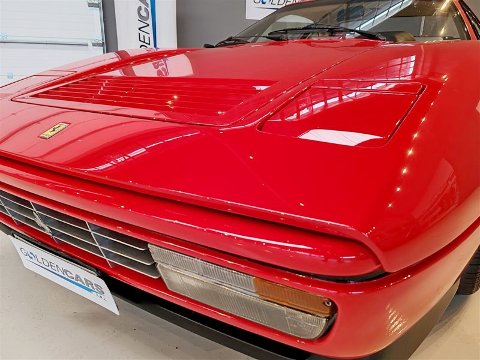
[[423, 20]]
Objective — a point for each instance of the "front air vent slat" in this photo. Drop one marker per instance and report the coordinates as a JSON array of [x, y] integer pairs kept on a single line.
[[13, 204], [142, 256], [150, 270], [116, 248], [81, 245], [15, 199], [121, 238], [68, 238], [19, 209], [66, 229], [60, 216], [24, 220]]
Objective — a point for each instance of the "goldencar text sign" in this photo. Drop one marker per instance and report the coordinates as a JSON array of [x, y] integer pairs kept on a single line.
[[258, 9], [65, 273]]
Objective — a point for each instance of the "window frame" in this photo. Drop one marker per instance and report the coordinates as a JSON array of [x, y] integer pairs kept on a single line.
[[472, 18]]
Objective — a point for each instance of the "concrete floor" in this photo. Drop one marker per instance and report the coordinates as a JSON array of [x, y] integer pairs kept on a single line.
[[41, 320]]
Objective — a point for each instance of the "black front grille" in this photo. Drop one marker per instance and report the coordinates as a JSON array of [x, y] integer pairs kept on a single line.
[[116, 248]]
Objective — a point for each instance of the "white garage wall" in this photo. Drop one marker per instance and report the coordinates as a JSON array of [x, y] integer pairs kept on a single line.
[[37, 35]]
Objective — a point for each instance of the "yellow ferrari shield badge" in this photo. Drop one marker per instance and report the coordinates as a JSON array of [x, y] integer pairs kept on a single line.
[[54, 130]]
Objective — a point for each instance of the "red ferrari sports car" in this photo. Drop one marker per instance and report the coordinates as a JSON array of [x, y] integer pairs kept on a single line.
[[307, 188]]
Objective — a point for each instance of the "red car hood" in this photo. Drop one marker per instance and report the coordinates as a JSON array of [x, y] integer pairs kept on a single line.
[[230, 164], [215, 87]]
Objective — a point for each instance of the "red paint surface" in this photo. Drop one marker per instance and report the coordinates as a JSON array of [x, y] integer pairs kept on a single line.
[[237, 183]]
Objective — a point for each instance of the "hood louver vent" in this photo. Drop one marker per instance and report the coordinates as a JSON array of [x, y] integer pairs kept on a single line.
[[192, 98]]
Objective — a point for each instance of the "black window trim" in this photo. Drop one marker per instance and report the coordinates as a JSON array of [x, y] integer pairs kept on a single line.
[[472, 18]]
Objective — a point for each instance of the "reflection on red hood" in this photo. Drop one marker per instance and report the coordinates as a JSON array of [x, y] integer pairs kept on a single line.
[[206, 87], [227, 156]]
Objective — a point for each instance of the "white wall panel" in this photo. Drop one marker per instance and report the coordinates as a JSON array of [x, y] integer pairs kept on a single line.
[[36, 35]]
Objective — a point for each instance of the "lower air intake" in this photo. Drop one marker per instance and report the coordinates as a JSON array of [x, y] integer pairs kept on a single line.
[[116, 248]]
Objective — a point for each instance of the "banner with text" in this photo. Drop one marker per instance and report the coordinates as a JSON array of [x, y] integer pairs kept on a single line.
[[146, 24], [258, 9]]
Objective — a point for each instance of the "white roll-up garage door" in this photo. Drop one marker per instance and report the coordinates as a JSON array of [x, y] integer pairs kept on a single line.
[[37, 35]]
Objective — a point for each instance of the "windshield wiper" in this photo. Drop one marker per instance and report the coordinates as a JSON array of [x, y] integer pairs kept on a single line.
[[282, 34], [328, 28], [241, 40]]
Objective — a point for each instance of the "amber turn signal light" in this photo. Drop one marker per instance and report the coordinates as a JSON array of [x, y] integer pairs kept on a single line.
[[293, 298], [291, 311]]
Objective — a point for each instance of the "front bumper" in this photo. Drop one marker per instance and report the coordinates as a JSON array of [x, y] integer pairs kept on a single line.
[[372, 314], [246, 342]]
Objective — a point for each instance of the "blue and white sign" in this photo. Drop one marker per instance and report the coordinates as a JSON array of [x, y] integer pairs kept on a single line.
[[65, 273], [258, 9], [146, 24]]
